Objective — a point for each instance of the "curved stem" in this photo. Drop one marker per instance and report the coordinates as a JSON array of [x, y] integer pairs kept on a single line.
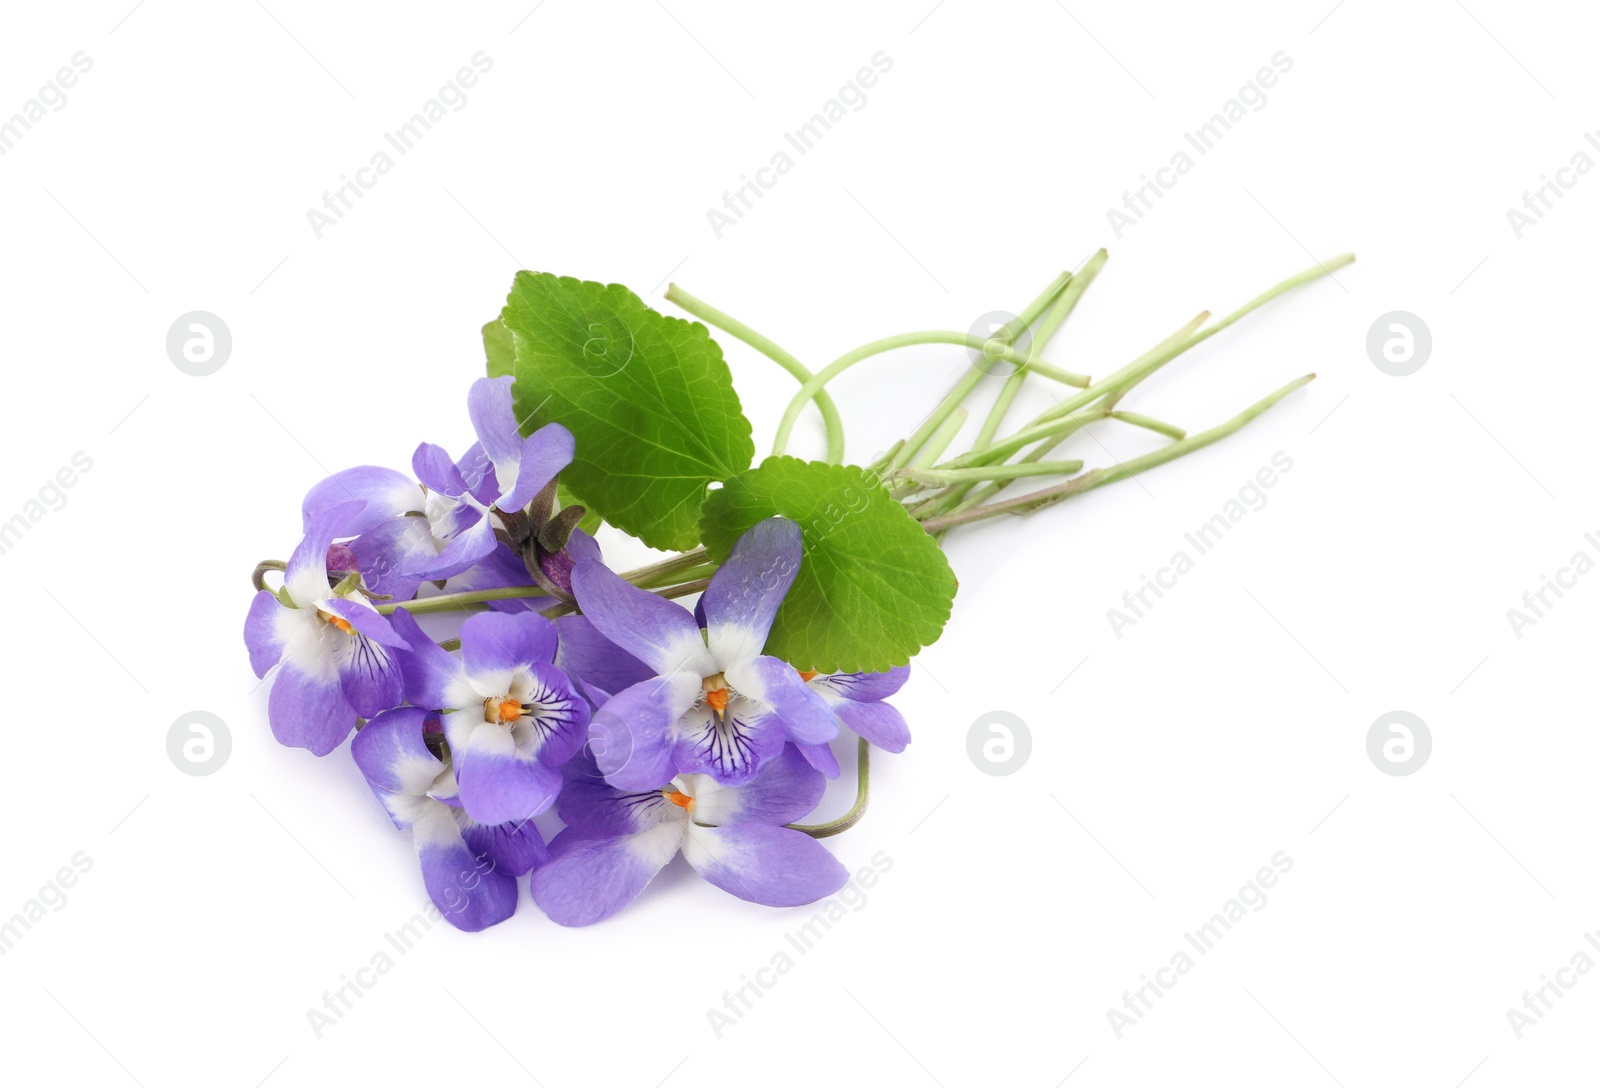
[[857, 810], [739, 330], [258, 577], [817, 381]]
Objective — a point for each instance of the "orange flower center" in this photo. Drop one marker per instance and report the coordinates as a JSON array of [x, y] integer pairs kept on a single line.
[[717, 698], [679, 798], [501, 711], [338, 621], [806, 674]]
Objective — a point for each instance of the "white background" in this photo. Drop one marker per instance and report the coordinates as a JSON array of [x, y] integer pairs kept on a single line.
[[1228, 724]]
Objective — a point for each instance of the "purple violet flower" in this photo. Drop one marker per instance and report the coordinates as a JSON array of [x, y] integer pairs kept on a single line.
[[857, 698], [469, 869], [617, 841], [511, 716], [519, 468], [333, 649], [715, 703], [403, 527]]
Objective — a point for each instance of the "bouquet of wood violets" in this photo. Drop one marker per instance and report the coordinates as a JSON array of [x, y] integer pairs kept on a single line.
[[648, 726]]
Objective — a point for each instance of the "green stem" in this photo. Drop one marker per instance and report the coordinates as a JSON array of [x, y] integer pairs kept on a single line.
[[1059, 311], [702, 570], [983, 494], [1067, 302], [1126, 377], [1054, 433], [912, 447], [698, 585], [1030, 313], [1134, 418], [988, 491], [963, 388], [457, 602], [1309, 275], [817, 381], [1026, 504], [857, 810], [1299, 279], [1059, 422], [941, 439], [995, 348], [738, 329], [667, 568], [944, 477], [676, 567], [881, 465], [1116, 385], [999, 451], [258, 577], [1056, 374]]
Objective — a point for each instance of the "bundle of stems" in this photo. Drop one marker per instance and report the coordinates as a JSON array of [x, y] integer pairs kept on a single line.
[[959, 490]]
